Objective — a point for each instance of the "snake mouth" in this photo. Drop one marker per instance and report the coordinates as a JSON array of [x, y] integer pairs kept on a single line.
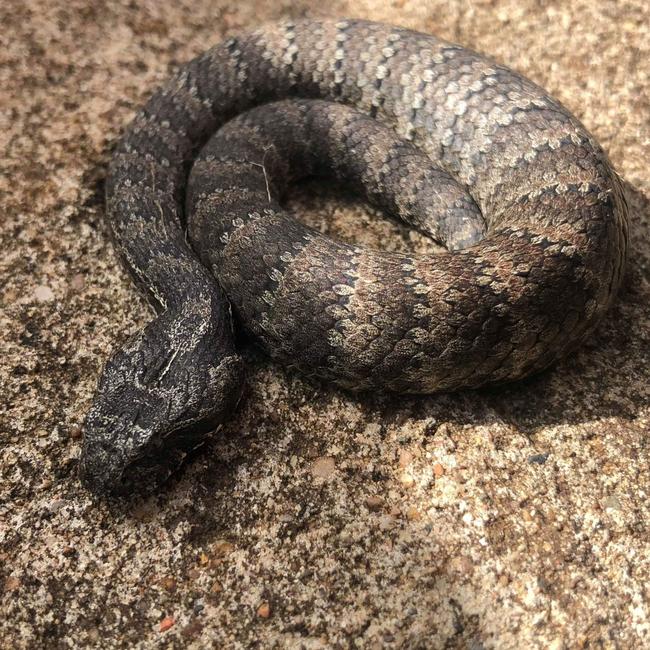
[[141, 475], [110, 473]]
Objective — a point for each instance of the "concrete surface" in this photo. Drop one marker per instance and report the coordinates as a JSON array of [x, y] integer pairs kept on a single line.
[[509, 518]]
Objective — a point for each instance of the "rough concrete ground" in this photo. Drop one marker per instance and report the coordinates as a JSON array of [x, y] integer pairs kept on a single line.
[[511, 518]]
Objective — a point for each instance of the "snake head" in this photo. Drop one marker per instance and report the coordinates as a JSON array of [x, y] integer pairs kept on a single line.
[[158, 397]]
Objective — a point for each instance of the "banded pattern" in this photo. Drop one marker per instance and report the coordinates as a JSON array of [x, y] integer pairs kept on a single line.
[[443, 137]]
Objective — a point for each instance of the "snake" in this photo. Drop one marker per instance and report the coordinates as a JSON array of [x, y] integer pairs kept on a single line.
[[531, 214]]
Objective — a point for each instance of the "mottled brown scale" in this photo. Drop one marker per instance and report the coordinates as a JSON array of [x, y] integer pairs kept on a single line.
[[462, 148]]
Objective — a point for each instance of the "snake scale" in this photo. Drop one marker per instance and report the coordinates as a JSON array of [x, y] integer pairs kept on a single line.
[[531, 213]]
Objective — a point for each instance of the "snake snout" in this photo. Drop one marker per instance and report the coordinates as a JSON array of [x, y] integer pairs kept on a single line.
[[100, 469]]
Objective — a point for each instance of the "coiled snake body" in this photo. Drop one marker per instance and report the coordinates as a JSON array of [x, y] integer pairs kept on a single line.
[[464, 149]]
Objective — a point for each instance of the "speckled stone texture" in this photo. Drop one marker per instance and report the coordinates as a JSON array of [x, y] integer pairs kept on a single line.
[[514, 517]]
